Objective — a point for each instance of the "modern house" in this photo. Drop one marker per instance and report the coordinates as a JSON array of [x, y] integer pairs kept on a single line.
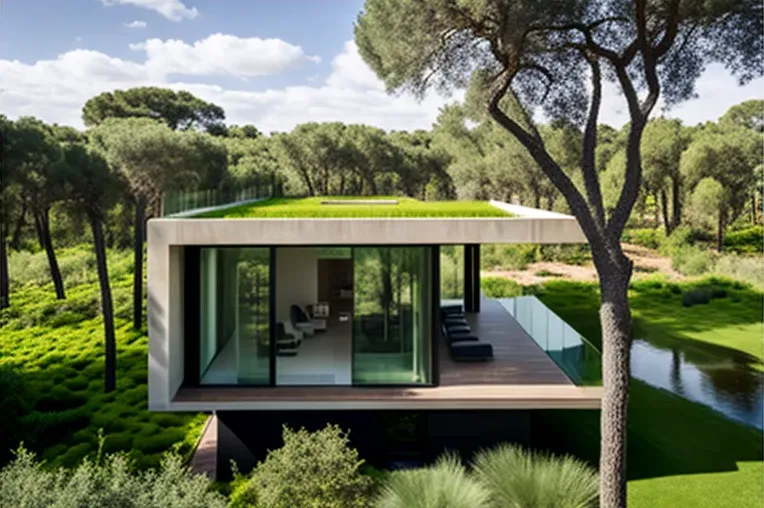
[[322, 310]]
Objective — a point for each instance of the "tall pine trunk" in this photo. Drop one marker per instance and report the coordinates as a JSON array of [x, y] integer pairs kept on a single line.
[[5, 293], [720, 233], [42, 224], [676, 203], [138, 237], [615, 318], [665, 212], [16, 236], [107, 308]]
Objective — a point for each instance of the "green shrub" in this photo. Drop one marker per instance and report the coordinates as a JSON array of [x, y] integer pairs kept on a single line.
[[311, 469], [646, 237], [679, 238], [507, 256], [569, 254], [500, 287], [748, 240], [111, 482], [443, 485], [743, 268], [690, 260], [697, 296], [14, 404], [518, 478]]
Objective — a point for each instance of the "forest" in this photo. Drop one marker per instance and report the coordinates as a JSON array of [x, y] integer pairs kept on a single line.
[[75, 205]]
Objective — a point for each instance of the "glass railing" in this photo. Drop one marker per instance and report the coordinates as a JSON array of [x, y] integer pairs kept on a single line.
[[575, 356], [174, 202]]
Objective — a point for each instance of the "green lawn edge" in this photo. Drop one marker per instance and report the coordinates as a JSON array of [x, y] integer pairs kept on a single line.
[[289, 208]]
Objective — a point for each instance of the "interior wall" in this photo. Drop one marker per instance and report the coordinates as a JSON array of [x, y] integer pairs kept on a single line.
[[296, 279]]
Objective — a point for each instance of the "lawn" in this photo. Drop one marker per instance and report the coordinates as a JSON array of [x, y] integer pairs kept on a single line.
[[282, 208], [732, 320], [54, 351], [680, 453]]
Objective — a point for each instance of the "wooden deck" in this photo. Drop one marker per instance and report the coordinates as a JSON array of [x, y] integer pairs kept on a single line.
[[521, 376]]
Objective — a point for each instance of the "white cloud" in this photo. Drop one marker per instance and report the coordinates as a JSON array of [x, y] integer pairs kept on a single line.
[[174, 10], [350, 71], [136, 24], [222, 54], [55, 90], [717, 91]]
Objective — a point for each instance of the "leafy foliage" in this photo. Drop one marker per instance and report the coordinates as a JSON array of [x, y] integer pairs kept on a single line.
[[500, 287], [53, 352], [104, 484], [178, 110], [745, 240], [311, 469]]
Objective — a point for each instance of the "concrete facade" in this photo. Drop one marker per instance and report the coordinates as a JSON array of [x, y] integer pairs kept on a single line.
[[167, 238]]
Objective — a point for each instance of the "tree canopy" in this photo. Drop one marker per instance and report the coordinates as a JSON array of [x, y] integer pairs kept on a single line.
[[179, 110], [553, 56]]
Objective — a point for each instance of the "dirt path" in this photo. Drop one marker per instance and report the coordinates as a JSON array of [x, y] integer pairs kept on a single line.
[[646, 262]]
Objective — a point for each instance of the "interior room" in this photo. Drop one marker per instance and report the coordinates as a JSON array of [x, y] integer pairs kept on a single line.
[[316, 284], [343, 316]]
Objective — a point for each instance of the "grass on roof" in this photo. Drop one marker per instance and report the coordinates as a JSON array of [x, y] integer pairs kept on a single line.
[[277, 208]]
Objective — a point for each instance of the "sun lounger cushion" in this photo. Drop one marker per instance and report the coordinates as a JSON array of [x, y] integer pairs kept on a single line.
[[471, 351]]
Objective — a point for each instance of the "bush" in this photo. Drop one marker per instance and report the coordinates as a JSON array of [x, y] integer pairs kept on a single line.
[[573, 254], [508, 256], [500, 287], [14, 404], [444, 485], [689, 260], [311, 469], [105, 484], [697, 296], [646, 237], [678, 239], [748, 269], [748, 240], [515, 477]]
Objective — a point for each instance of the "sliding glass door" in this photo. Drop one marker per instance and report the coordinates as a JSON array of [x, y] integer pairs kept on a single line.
[[234, 336], [391, 315]]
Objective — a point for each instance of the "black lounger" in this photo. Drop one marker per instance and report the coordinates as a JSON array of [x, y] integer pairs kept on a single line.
[[471, 351]]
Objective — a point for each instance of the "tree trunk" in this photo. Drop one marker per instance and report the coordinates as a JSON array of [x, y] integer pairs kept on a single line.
[[676, 203], [665, 213], [42, 224], [720, 233], [753, 208], [107, 308], [16, 237], [5, 293], [615, 318], [656, 210], [140, 222]]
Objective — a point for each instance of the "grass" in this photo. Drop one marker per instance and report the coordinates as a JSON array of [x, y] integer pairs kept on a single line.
[[284, 208], [55, 349], [732, 321], [680, 453]]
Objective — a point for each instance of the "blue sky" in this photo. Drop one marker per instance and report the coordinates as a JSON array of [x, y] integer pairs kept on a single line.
[[273, 63]]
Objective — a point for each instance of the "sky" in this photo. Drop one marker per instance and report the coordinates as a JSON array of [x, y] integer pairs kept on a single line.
[[270, 63]]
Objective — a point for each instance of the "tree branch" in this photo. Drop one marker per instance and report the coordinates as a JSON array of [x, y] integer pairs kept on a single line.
[[588, 162], [550, 168]]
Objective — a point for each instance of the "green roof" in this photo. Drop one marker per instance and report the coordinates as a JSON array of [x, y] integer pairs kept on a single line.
[[332, 206]]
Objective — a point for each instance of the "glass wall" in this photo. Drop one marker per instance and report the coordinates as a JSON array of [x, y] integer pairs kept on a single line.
[[234, 316], [391, 315], [452, 273]]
